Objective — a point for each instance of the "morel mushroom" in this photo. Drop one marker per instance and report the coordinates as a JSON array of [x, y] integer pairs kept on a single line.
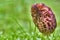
[[43, 18]]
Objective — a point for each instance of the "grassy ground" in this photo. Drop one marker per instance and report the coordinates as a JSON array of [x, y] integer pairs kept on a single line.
[[16, 22]]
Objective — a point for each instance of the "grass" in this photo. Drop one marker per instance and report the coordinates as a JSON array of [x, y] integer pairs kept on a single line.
[[16, 21]]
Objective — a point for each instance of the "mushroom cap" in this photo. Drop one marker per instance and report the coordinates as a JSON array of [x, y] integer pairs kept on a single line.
[[43, 18]]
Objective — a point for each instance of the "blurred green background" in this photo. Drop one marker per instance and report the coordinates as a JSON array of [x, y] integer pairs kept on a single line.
[[16, 21]]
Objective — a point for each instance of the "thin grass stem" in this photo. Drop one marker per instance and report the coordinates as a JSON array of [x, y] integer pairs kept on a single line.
[[48, 37]]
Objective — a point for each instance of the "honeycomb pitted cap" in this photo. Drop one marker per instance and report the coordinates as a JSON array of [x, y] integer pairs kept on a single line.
[[43, 18]]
